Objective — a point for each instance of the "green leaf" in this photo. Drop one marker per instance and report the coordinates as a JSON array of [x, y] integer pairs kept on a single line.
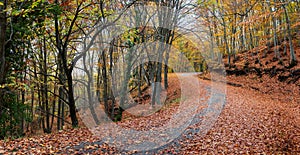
[[34, 4], [1, 3], [16, 12]]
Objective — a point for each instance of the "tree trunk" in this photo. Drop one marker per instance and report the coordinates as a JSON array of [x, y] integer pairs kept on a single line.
[[111, 50], [59, 111], [45, 91], [98, 81], [105, 82], [72, 105], [53, 107], [242, 40], [170, 41], [66, 68], [125, 81], [233, 38], [226, 41], [139, 68], [91, 100], [293, 59], [2, 49], [274, 32], [2, 41]]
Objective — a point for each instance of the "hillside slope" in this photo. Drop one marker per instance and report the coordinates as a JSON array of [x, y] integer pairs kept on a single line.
[[260, 70]]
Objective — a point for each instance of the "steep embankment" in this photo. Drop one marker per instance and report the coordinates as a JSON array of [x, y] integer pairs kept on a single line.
[[260, 70]]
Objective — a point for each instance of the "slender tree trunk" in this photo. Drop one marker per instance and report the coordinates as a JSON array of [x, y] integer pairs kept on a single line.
[[125, 81], [91, 101], [242, 40], [158, 70], [112, 96], [72, 106], [63, 112], [170, 38], [32, 98], [98, 80], [211, 45], [53, 107], [274, 31], [41, 89], [153, 88], [59, 108], [226, 41], [2, 42], [23, 103], [139, 80], [251, 37], [45, 86], [2, 49], [233, 38], [293, 59], [105, 82]]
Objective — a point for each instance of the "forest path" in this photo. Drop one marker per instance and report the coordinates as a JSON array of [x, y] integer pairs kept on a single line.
[[250, 123]]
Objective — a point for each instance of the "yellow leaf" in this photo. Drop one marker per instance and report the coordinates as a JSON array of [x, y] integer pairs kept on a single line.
[[1, 4]]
